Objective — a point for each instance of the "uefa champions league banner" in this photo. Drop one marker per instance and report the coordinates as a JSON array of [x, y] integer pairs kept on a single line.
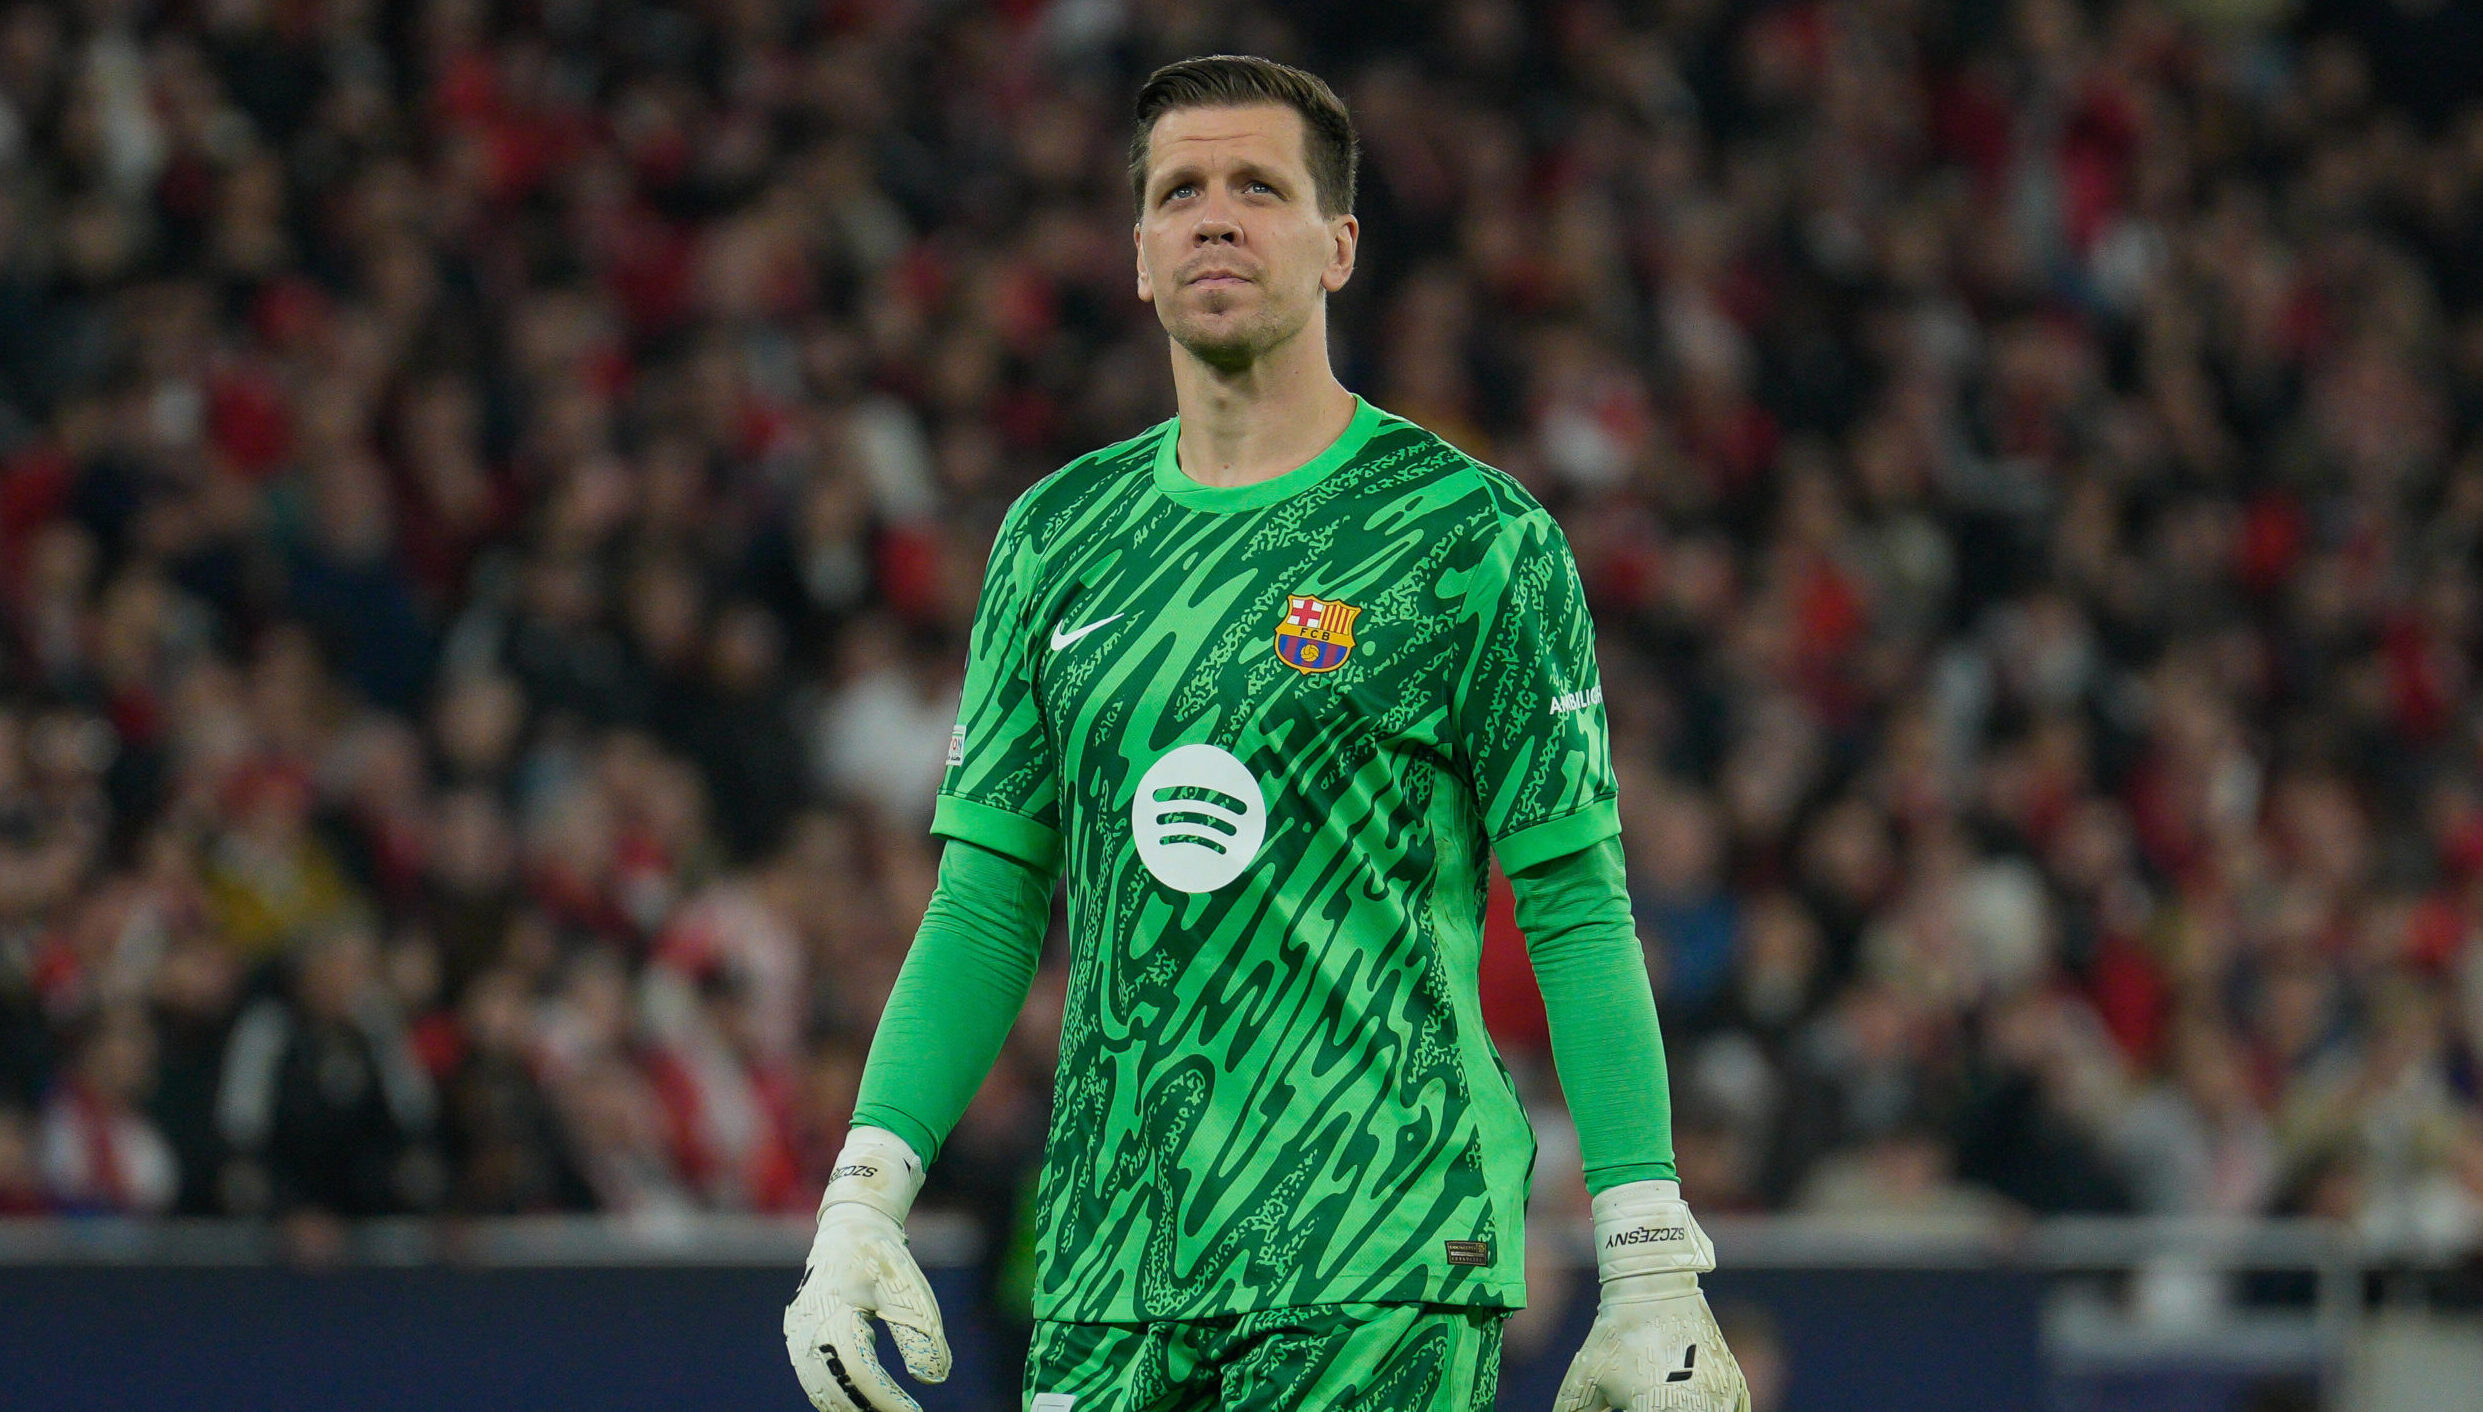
[[690, 1339]]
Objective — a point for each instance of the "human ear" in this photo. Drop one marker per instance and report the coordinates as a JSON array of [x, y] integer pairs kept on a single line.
[[1344, 235]]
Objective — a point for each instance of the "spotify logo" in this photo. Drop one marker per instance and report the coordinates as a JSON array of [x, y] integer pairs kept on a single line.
[[1199, 818]]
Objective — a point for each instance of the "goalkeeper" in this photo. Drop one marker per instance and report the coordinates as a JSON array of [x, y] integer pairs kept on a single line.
[[1268, 684]]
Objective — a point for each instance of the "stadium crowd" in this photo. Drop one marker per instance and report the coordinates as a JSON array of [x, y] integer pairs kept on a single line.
[[491, 495]]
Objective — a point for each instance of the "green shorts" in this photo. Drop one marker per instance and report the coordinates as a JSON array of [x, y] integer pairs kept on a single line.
[[1317, 1358]]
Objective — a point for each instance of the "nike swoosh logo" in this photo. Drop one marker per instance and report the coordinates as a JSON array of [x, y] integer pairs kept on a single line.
[[1063, 639]]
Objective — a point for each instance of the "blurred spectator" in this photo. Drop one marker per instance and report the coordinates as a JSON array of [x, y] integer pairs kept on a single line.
[[2197, 1143], [2038, 1100], [506, 1151], [196, 985], [883, 735], [97, 1149], [1866, 1067], [727, 1098], [743, 733], [470, 885], [1679, 896], [323, 1104], [616, 1121], [2392, 1108], [271, 880]]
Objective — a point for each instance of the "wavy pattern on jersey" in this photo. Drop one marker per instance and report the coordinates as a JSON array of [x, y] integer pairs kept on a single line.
[[1339, 1358], [1267, 1095]]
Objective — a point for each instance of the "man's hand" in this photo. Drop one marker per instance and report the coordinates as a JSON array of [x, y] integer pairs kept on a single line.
[[1654, 1347], [859, 1267]]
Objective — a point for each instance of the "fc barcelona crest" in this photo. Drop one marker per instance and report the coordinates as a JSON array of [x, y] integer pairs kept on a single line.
[[1317, 634]]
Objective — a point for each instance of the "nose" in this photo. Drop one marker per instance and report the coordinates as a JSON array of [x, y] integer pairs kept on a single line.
[[1215, 223]]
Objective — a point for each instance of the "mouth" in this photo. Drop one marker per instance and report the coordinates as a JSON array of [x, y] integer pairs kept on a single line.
[[1217, 279]]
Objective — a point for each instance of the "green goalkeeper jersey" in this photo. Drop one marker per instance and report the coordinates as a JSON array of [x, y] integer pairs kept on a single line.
[[1268, 732]]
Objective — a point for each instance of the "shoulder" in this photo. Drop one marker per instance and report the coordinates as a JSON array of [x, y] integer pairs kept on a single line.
[[1481, 500], [1108, 471]]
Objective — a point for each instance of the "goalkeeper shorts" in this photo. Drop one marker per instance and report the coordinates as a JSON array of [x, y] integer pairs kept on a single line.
[[1315, 1358]]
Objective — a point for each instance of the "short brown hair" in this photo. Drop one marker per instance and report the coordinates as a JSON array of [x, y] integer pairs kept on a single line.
[[1329, 146]]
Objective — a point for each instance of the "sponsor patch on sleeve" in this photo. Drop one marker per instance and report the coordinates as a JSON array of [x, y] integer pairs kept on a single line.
[[1569, 701]]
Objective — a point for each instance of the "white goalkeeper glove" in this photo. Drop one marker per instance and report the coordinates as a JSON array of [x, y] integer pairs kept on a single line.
[[859, 1267], [1654, 1347]]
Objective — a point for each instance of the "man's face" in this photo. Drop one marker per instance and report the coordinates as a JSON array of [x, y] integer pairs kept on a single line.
[[1232, 250]]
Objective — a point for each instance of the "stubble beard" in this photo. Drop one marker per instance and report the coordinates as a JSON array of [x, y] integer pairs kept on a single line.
[[1233, 345]]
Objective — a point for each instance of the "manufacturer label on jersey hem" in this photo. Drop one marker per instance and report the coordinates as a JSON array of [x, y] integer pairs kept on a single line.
[[1469, 1252]]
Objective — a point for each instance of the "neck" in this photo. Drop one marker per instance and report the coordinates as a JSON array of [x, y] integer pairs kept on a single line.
[[1254, 422]]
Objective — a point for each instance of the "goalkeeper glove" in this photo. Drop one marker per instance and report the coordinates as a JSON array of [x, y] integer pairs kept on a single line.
[[859, 1267], [1654, 1347]]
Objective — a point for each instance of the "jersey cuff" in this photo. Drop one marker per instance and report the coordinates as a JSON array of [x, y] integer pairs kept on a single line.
[[924, 1141], [1603, 1179], [1033, 844], [1556, 838]]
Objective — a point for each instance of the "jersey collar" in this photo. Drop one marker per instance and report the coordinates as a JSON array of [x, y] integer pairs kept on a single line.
[[1170, 479]]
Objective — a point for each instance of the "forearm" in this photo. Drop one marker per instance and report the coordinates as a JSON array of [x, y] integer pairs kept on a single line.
[[963, 983], [1575, 913]]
